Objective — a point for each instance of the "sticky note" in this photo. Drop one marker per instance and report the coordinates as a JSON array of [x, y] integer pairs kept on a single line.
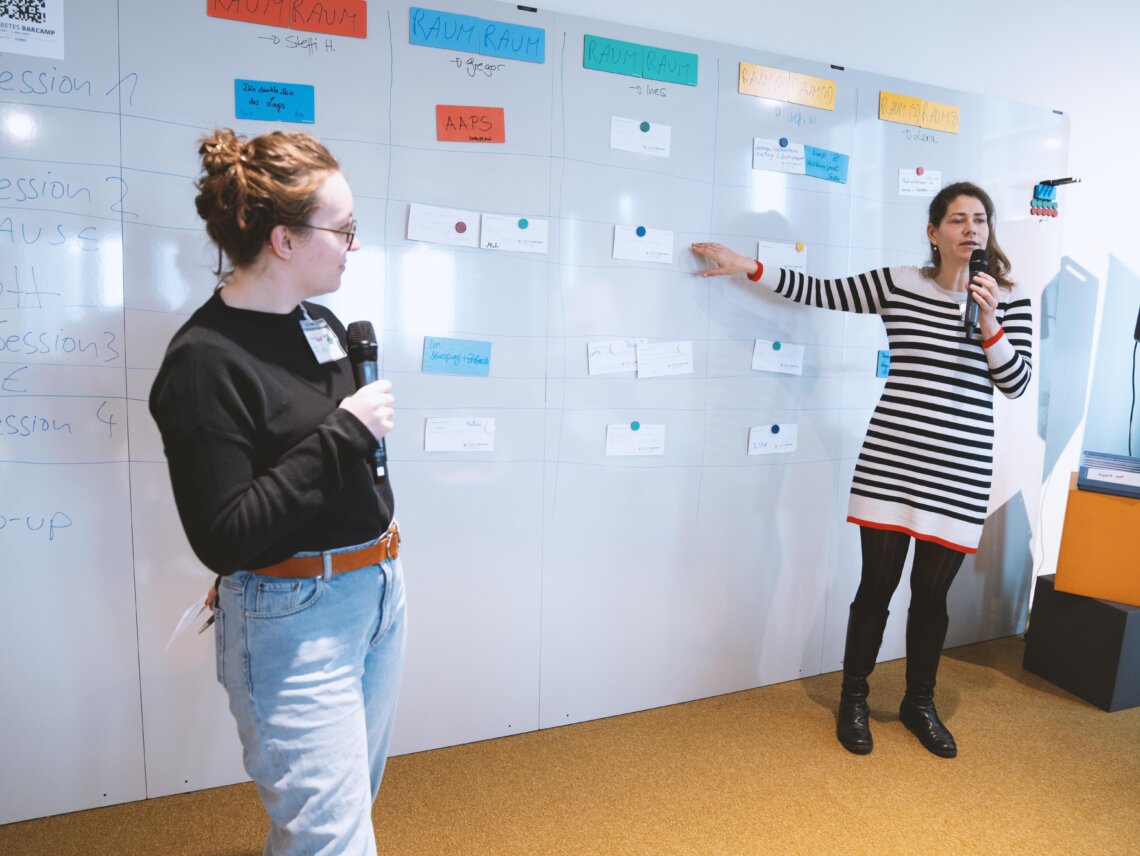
[[763, 440], [770, 155], [904, 109], [443, 225], [458, 124], [434, 29], [332, 17], [623, 440], [821, 163], [762, 81], [643, 138], [457, 357], [940, 117], [883, 364], [513, 234], [613, 357], [274, 102], [459, 434], [811, 91], [780, 357], [639, 244], [913, 184], [659, 359], [617, 57], [776, 254]]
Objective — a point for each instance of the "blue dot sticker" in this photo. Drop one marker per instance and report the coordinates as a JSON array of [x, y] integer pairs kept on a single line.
[[523, 223], [776, 346], [641, 231], [783, 142], [775, 429], [645, 127], [634, 426]]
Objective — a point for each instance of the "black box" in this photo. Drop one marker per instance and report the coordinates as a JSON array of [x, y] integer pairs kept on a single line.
[[1087, 646]]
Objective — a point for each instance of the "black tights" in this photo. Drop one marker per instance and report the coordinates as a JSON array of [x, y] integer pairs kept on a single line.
[[884, 554]]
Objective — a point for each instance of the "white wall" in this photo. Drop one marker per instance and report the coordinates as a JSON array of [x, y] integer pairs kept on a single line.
[[1048, 53]]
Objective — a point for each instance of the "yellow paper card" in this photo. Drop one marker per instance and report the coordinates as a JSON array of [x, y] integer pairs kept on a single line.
[[763, 82], [811, 91], [940, 117], [900, 108]]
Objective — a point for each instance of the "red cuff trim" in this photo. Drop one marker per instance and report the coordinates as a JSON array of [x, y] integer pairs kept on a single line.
[[912, 533], [755, 277], [988, 342]]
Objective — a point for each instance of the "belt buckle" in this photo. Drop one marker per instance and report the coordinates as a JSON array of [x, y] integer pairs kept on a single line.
[[392, 541]]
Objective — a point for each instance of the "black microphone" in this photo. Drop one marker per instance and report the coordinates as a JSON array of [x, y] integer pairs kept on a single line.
[[362, 353], [978, 264]]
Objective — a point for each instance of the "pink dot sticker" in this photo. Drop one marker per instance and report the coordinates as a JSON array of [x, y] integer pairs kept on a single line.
[[919, 171], [460, 227]]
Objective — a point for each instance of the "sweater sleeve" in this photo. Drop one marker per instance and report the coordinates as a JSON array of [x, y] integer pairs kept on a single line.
[[232, 513], [1010, 353], [866, 293]]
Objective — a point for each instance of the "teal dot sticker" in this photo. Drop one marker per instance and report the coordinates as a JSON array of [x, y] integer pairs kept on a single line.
[[523, 223], [775, 429], [776, 346], [641, 231], [634, 426], [645, 127], [783, 142]]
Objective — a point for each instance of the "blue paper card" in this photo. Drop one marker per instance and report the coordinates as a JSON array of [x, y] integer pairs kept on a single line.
[[883, 366], [435, 29], [274, 102], [820, 163], [468, 357]]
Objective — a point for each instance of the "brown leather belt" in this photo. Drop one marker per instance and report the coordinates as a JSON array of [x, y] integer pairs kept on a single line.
[[388, 547]]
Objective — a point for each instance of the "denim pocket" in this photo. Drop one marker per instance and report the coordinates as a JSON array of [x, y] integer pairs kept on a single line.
[[220, 644], [274, 598]]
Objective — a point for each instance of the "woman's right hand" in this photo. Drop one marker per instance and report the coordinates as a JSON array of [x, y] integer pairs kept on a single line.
[[372, 405], [725, 261]]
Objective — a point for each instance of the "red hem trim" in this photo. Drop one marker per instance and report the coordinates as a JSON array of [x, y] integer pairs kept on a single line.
[[912, 533], [988, 342], [759, 272]]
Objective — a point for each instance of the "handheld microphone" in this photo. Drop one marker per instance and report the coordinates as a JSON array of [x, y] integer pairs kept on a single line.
[[362, 353], [978, 264]]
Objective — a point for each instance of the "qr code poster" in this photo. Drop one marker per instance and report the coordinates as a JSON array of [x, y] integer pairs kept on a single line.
[[32, 27]]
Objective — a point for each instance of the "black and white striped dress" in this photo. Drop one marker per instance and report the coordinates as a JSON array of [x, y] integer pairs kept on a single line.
[[927, 461]]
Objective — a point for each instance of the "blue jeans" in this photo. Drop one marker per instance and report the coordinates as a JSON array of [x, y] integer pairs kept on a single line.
[[312, 668]]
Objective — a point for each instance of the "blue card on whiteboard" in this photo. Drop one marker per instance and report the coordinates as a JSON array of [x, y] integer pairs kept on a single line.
[[274, 102], [820, 163], [457, 357]]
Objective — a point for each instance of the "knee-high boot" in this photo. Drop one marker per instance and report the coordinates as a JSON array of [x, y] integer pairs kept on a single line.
[[924, 640], [864, 636]]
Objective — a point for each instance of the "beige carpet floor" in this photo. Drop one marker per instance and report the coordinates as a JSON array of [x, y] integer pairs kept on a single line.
[[758, 772]]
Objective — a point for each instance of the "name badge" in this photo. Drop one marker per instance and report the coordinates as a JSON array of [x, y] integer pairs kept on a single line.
[[324, 344]]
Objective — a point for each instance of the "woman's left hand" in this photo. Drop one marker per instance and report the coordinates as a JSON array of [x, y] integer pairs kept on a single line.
[[985, 290]]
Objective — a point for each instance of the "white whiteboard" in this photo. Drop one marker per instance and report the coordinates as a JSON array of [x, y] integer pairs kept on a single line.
[[547, 583]]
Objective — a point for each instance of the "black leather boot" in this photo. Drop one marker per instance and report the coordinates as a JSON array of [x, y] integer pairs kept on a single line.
[[924, 640], [864, 636]]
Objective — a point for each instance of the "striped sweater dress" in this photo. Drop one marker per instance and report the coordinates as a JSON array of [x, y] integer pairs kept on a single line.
[[926, 464]]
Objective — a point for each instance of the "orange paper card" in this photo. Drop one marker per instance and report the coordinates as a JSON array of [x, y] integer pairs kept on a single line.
[[455, 124], [331, 17], [269, 14]]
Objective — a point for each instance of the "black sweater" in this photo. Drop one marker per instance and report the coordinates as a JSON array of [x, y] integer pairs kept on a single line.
[[263, 462]]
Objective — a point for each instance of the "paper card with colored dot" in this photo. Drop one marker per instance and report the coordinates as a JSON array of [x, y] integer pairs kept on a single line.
[[778, 254], [513, 234], [642, 244], [459, 434], [613, 357], [659, 359], [920, 182], [443, 225], [770, 439], [778, 356], [623, 440], [780, 155], [640, 136]]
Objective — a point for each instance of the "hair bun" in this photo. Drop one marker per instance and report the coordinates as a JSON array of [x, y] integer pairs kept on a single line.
[[222, 150]]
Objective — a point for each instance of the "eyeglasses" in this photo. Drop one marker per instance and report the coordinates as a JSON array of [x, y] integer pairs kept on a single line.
[[350, 232]]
